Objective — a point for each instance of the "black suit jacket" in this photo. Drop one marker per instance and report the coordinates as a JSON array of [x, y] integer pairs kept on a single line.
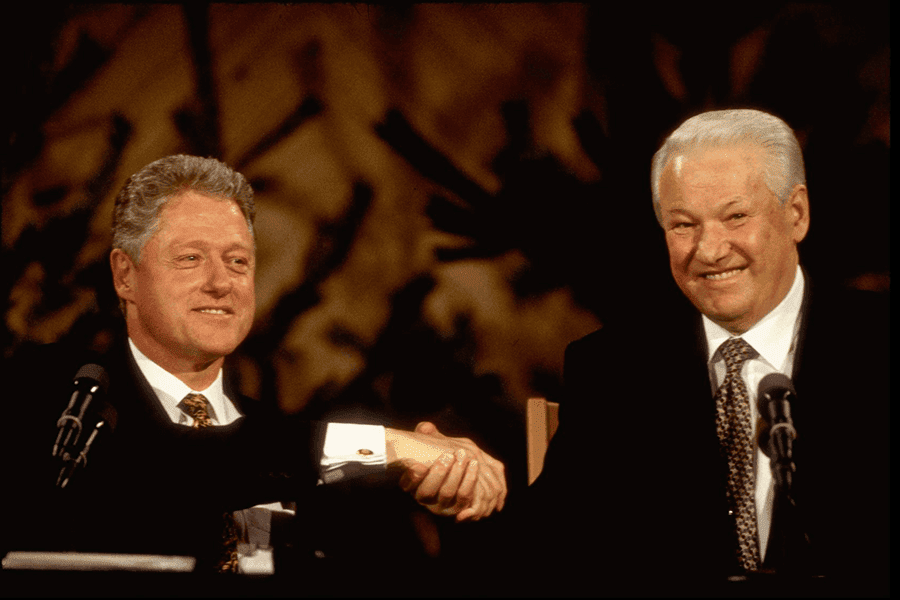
[[633, 487], [151, 486]]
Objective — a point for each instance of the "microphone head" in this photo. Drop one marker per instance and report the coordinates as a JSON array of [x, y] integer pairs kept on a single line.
[[771, 386], [774, 401], [95, 373], [107, 413]]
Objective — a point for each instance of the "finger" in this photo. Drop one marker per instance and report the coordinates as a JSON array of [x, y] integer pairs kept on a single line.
[[492, 480], [467, 514], [413, 476], [472, 513], [466, 494], [476, 508], [492, 499], [489, 478], [447, 495], [489, 500], [428, 489], [499, 471]]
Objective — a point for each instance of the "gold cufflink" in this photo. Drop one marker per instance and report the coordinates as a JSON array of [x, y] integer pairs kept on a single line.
[[364, 452]]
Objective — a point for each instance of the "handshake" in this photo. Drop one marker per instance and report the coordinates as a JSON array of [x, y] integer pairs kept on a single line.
[[448, 476]]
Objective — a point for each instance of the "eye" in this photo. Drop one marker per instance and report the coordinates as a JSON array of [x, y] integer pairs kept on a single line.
[[240, 263], [736, 219], [682, 226]]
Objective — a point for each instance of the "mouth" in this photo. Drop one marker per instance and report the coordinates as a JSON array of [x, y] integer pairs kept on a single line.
[[723, 275], [214, 311]]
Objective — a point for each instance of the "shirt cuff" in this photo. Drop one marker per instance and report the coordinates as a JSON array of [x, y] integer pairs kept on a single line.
[[352, 450]]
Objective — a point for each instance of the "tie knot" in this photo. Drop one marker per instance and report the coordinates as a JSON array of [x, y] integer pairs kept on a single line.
[[736, 351], [197, 407]]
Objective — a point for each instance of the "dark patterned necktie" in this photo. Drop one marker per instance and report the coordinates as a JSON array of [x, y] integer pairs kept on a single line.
[[735, 430], [197, 407]]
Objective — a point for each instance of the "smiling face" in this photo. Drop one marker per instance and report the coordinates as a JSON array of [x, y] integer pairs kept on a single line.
[[190, 299], [732, 244]]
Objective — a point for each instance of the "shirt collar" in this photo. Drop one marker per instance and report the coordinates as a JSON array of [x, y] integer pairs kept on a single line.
[[170, 391], [767, 336]]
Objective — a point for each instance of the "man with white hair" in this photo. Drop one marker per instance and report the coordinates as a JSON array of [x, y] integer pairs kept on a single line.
[[663, 401]]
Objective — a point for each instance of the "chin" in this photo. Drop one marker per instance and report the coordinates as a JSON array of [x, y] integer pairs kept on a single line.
[[216, 350], [723, 315], [734, 321], [727, 305]]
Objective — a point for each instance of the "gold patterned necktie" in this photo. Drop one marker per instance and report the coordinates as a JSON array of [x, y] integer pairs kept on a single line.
[[735, 430], [197, 407]]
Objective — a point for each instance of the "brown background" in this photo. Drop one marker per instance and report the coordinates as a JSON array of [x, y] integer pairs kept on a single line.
[[447, 194]]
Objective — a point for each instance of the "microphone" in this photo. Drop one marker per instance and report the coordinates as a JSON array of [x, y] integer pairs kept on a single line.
[[76, 456], [788, 549], [86, 415], [90, 382], [778, 433]]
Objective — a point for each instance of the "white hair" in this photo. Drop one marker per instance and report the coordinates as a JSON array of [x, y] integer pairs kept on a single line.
[[783, 163]]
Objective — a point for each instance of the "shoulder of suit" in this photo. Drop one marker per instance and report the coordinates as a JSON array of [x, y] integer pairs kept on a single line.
[[652, 320], [841, 307]]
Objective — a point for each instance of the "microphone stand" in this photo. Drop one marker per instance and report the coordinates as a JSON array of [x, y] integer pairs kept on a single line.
[[71, 463], [788, 549]]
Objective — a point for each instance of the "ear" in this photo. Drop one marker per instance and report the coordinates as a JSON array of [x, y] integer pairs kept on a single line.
[[797, 208], [123, 274]]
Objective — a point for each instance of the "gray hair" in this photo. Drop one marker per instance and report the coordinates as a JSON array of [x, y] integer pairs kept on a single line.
[[137, 207], [783, 164]]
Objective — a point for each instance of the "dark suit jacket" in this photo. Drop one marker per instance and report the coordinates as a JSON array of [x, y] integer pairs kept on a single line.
[[633, 486], [150, 487]]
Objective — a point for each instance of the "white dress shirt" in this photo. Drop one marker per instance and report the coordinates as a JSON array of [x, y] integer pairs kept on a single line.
[[350, 450], [774, 338], [348, 446]]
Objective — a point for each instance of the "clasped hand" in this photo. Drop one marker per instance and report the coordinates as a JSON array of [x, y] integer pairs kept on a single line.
[[447, 475]]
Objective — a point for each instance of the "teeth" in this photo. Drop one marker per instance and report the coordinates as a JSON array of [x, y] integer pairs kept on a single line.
[[724, 275], [213, 311]]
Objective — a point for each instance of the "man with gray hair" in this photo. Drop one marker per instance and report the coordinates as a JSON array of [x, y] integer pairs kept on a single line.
[[683, 488], [188, 451]]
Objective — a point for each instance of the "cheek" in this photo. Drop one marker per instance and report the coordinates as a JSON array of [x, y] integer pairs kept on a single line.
[[246, 293], [758, 244], [155, 292], [679, 253]]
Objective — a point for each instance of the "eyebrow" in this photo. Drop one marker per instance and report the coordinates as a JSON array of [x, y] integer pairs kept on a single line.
[[203, 245], [733, 201], [676, 210]]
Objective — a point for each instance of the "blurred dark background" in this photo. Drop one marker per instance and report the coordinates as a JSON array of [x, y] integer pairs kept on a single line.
[[447, 194]]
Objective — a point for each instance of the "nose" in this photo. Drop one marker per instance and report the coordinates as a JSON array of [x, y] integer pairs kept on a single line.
[[217, 281], [713, 244]]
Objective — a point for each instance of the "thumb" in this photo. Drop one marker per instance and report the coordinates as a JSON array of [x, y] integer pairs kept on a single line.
[[426, 427], [412, 476]]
